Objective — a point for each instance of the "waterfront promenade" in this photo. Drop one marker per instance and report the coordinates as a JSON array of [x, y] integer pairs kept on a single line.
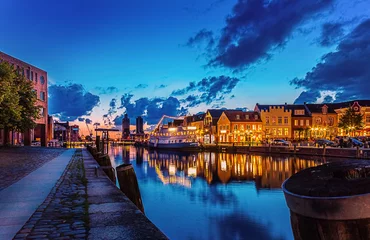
[[51, 193]]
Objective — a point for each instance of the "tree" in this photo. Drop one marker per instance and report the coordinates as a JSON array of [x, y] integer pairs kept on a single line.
[[351, 121], [17, 101]]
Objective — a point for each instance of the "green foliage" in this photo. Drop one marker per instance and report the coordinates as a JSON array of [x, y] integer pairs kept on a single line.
[[18, 109], [351, 121]]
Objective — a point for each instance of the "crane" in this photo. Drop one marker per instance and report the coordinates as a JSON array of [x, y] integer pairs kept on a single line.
[[90, 132], [170, 117]]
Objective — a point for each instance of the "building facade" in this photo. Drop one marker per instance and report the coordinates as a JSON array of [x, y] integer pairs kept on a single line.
[[277, 121], [301, 121], [239, 126], [40, 83], [196, 122], [126, 127], [324, 120]]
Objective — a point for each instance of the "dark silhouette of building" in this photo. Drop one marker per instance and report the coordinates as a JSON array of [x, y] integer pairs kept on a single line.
[[139, 125], [126, 127], [65, 132]]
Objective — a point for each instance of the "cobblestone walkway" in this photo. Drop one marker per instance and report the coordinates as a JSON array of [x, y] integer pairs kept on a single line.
[[18, 162], [64, 213]]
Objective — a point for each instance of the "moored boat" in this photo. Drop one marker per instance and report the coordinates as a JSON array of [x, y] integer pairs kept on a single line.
[[173, 135]]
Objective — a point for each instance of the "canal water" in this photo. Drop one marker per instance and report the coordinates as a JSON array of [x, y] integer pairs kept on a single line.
[[191, 195]]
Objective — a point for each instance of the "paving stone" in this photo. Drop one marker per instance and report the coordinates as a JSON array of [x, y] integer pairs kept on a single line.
[[62, 215]]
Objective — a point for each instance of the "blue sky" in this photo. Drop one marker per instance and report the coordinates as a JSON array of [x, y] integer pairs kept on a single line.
[[148, 50]]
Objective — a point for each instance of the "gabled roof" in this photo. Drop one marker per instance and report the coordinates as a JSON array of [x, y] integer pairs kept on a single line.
[[216, 113], [195, 118], [292, 107], [233, 116]]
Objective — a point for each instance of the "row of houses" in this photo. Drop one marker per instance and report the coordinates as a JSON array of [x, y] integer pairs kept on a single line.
[[285, 121]]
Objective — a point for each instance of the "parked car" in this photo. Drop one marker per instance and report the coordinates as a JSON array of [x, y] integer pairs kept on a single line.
[[280, 142], [356, 142], [35, 143], [322, 142]]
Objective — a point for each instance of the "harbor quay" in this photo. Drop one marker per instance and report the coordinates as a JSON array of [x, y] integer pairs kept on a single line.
[[56, 193]]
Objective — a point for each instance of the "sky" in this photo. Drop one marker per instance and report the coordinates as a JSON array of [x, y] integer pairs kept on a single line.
[[177, 57]]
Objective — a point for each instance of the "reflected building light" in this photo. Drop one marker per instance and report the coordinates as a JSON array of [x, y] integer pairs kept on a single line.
[[172, 169], [192, 172], [223, 165]]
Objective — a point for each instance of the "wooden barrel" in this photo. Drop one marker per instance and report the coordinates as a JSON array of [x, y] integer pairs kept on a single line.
[[331, 201], [128, 184], [104, 160]]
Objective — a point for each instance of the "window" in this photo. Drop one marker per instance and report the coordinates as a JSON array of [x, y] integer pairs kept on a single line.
[[307, 122], [368, 119], [273, 120], [331, 121], [42, 81], [256, 117], [242, 127], [301, 122], [286, 121], [237, 117], [28, 74], [247, 117], [254, 127], [31, 75], [325, 109], [280, 120], [299, 112], [318, 120], [280, 131], [295, 122], [259, 127], [36, 79], [236, 127], [274, 131], [267, 120], [248, 127], [42, 112], [227, 127], [286, 131], [42, 96]]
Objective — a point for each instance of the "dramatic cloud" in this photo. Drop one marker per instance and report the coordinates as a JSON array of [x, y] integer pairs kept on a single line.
[[203, 36], [150, 109], [141, 86], [307, 97], [108, 90], [71, 101], [345, 71], [331, 33], [81, 119], [208, 90], [256, 28]]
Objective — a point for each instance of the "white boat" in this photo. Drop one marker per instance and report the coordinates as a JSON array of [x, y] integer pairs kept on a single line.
[[174, 135]]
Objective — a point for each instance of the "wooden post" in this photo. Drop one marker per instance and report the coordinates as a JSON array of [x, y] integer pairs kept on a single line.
[[324, 150], [330, 202], [128, 184], [97, 143]]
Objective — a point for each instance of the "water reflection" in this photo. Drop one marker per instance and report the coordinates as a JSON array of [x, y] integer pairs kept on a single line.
[[267, 171], [191, 195]]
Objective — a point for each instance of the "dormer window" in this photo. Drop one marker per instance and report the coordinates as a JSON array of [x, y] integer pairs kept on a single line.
[[299, 112], [256, 117], [324, 109], [247, 117], [237, 117]]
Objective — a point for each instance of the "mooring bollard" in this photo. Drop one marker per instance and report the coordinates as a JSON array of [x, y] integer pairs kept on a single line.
[[330, 201], [128, 184]]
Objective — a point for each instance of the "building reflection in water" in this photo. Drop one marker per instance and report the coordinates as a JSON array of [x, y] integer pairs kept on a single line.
[[267, 172]]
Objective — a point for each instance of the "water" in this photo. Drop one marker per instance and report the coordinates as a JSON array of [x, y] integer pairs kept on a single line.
[[214, 196]]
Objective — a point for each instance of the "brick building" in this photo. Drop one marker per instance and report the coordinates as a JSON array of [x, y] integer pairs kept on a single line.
[[40, 83]]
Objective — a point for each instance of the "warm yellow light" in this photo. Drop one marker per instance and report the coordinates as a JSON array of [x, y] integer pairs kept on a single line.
[[172, 129], [172, 169], [223, 131], [192, 128], [223, 165], [192, 171]]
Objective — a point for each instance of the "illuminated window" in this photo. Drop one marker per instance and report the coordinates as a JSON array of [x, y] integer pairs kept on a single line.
[[267, 120], [259, 127], [273, 120], [274, 131], [298, 112], [248, 127], [286, 131], [256, 117], [242, 127], [295, 122], [280, 131], [236, 127], [254, 127], [301, 122], [247, 116], [237, 117], [307, 122], [368, 119]]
